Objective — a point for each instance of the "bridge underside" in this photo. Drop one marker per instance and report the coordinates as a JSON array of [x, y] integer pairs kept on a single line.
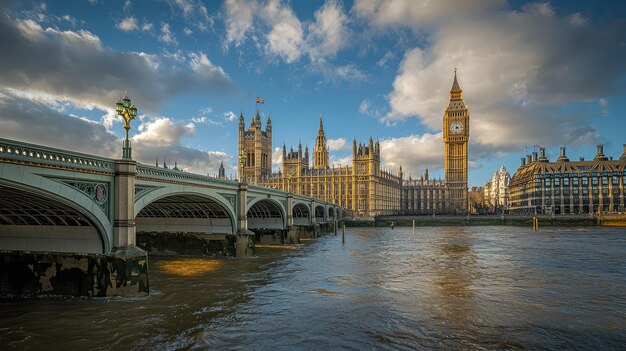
[[301, 215], [319, 214], [31, 221], [184, 213], [265, 214]]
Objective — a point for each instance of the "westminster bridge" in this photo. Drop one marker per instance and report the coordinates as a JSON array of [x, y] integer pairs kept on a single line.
[[70, 222]]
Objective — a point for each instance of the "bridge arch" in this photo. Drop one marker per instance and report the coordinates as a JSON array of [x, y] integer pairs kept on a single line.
[[301, 214], [176, 211], [266, 213], [33, 219], [320, 214]]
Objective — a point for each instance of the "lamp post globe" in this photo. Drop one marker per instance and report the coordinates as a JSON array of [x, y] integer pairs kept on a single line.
[[128, 111]]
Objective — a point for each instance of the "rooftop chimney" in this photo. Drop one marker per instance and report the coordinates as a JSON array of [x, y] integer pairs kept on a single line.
[[528, 159], [623, 157], [543, 157], [600, 154], [523, 161], [581, 158], [534, 156], [562, 157]]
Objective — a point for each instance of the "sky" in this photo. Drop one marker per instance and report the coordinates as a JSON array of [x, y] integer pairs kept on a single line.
[[532, 73]]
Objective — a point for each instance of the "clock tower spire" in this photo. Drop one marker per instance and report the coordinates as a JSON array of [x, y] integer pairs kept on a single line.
[[455, 140]]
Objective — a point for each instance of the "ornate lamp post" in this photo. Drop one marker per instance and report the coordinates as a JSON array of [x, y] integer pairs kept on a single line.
[[242, 162], [126, 109]]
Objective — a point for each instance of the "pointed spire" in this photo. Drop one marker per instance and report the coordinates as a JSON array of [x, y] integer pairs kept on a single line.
[[269, 120], [157, 162], [321, 123], [456, 88]]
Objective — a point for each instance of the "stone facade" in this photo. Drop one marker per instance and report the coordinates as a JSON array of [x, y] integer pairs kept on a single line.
[[455, 140], [364, 187], [562, 187], [255, 149], [424, 196], [496, 191]]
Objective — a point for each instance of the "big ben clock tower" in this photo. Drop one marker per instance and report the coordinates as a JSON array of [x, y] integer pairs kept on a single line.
[[455, 138]]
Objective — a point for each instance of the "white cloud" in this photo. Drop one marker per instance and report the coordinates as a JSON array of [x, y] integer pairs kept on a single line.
[[206, 120], [276, 29], [230, 116], [239, 20], [337, 144], [71, 20], [194, 12], [340, 161], [277, 158], [417, 13], [414, 153], [328, 34], [128, 24], [604, 106], [286, 36], [36, 122], [350, 72], [187, 31], [385, 59], [74, 66], [166, 35], [162, 131], [147, 26], [367, 108], [205, 111], [517, 69]]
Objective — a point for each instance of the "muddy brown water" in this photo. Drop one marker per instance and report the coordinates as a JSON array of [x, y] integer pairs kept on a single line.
[[440, 288]]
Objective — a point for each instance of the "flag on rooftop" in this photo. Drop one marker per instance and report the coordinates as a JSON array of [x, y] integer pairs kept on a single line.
[[259, 100]]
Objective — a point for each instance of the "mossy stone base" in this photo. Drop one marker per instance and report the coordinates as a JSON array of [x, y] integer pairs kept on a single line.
[[123, 272]]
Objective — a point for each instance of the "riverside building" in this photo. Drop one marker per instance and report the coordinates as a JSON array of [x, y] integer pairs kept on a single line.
[[364, 186], [568, 187]]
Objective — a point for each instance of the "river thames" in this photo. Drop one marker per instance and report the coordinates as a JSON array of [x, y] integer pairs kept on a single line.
[[440, 288]]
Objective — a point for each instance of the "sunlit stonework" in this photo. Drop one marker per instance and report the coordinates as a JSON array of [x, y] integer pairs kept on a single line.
[[363, 186]]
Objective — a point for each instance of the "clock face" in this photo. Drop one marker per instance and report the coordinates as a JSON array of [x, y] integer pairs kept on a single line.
[[456, 127]]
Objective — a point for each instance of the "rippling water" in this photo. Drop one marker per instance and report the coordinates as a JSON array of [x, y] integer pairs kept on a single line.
[[440, 288]]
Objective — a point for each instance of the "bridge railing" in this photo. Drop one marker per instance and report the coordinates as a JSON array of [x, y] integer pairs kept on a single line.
[[41, 155], [152, 172]]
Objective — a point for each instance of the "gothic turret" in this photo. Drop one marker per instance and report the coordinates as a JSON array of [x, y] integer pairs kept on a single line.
[[320, 153], [221, 171], [268, 126], [455, 92]]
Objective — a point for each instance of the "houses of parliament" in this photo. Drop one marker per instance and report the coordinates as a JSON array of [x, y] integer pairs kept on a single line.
[[364, 187]]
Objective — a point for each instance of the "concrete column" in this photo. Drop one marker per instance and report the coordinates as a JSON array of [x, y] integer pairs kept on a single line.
[[312, 212], [242, 208], [289, 210], [124, 220]]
